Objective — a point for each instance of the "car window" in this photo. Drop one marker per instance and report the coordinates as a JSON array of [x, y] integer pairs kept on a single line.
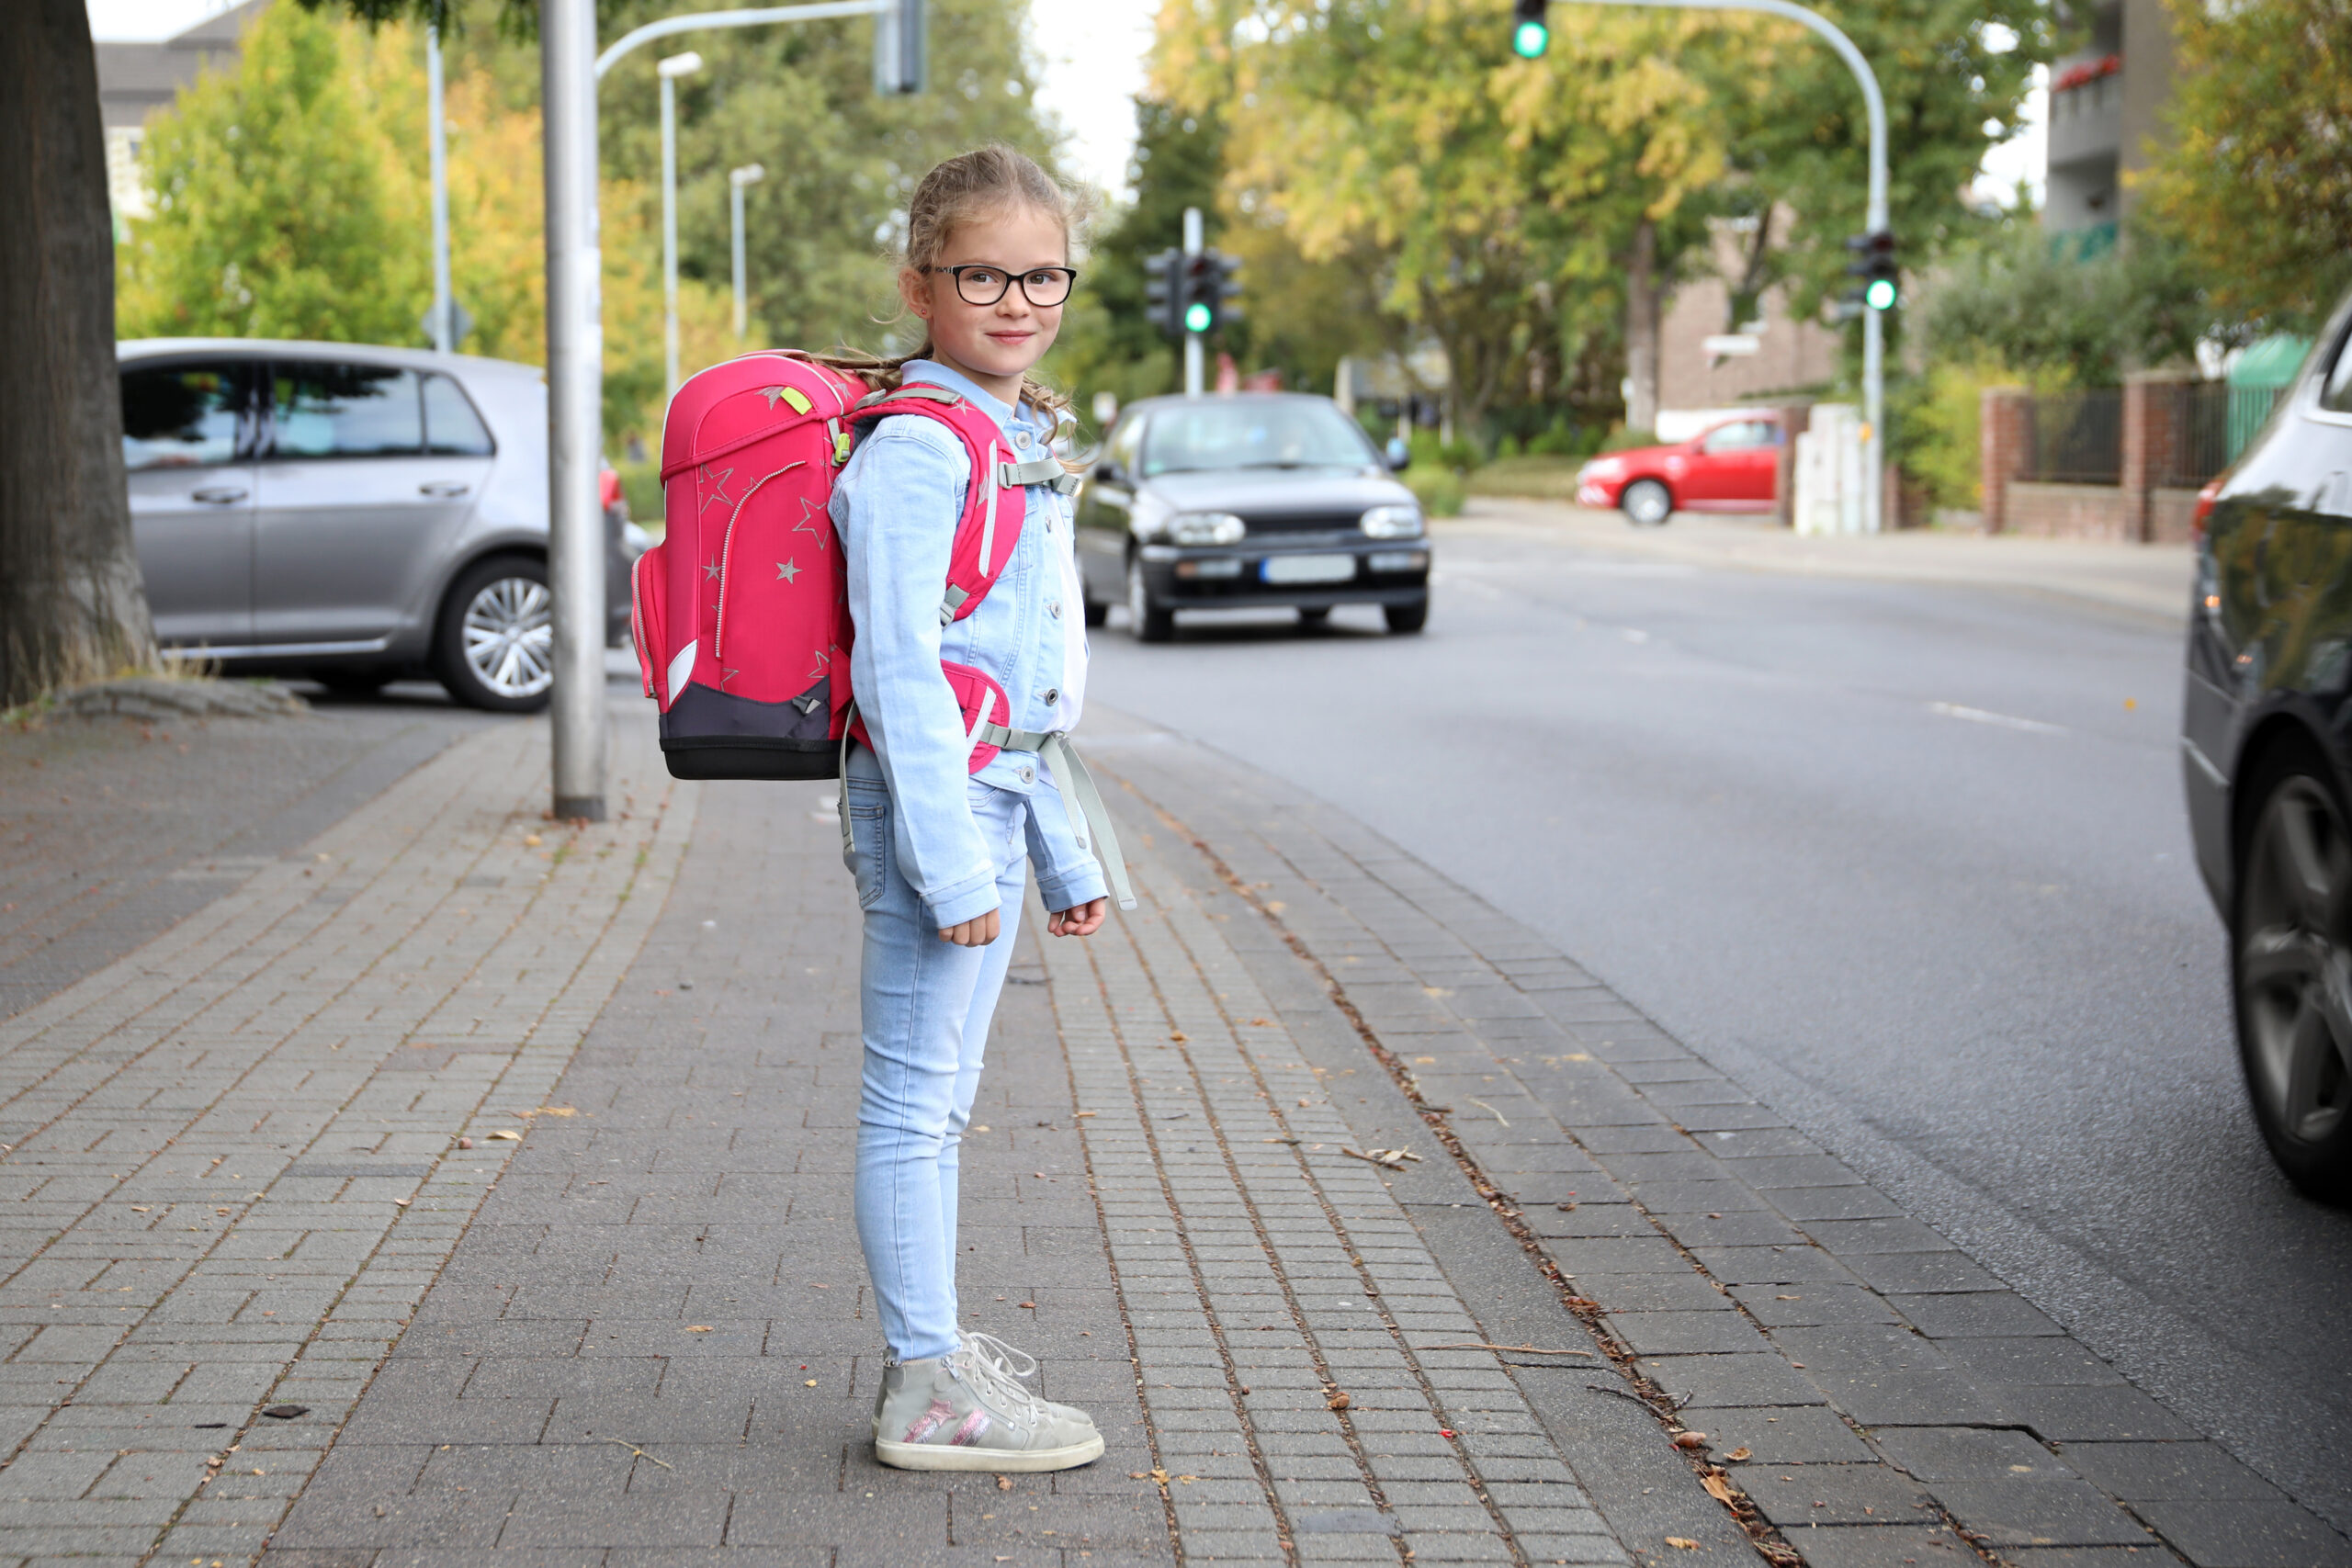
[[2336, 392], [184, 416], [1742, 436], [1125, 441], [1250, 433], [452, 428], [346, 411]]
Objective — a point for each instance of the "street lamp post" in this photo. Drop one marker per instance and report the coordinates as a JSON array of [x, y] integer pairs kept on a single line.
[[1191, 339], [672, 68], [576, 405], [445, 332], [750, 173], [1873, 326]]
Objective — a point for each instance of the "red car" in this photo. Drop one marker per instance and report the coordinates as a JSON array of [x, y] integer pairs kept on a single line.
[[1730, 466]]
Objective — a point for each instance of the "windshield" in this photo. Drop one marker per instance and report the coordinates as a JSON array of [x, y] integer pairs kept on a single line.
[[1253, 434]]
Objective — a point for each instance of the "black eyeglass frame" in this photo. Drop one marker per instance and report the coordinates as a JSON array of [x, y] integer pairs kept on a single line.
[[1010, 277]]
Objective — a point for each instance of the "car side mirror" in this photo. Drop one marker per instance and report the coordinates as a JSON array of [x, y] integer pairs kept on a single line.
[[1109, 472]]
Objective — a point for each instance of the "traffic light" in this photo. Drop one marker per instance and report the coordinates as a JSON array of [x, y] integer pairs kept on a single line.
[[1163, 291], [1530, 35], [1874, 265], [1209, 282], [902, 55]]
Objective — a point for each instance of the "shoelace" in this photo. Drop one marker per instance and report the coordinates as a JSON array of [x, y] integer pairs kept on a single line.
[[993, 1379], [1000, 1353]]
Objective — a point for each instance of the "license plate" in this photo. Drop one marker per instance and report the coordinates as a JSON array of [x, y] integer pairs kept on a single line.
[[1308, 568]]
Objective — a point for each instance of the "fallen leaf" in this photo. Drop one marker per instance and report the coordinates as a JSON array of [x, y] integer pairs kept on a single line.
[[1138, 1475], [508, 1133], [557, 1111], [815, 1286], [978, 1129], [399, 1202], [138, 1208], [220, 1211], [1718, 1488], [698, 1328], [1445, 1432], [1690, 1439], [465, 1143], [531, 840], [1178, 1035], [1339, 1401], [1160, 1475], [810, 1382], [1188, 1480], [1084, 1113], [1262, 1023], [1682, 1542], [1031, 1305], [1740, 1454], [1004, 1484]]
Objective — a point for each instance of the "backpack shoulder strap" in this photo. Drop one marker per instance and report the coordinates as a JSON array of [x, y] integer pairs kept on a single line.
[[993, 504]]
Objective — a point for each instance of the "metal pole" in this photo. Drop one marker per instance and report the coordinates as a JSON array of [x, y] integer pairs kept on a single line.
[[575, 400], [670, 26], [1192, 338], [1875, 219], [444, 327], [668, 234], [750, 173]]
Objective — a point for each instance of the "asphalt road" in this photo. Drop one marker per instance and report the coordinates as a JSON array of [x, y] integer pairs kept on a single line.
[[1908, 860]]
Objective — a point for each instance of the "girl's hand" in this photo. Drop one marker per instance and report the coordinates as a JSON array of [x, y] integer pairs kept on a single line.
[[1082, 919], [978, 932]]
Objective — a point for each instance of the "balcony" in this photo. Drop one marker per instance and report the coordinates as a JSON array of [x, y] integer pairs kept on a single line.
[[2086, 110]]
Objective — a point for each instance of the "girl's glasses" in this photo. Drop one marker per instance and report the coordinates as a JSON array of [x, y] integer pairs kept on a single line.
[[977, 283]]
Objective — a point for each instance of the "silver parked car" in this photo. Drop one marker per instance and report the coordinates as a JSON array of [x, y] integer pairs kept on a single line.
[[351, 513]]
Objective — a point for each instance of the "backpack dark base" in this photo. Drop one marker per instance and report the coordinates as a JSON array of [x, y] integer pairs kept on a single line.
[[750, 757]]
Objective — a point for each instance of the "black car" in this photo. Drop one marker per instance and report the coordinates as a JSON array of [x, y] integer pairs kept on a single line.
[[2267, 751], [1247, 499]]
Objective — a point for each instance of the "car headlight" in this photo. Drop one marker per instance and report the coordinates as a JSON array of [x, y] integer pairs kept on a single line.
[[1206, 528], [1393, 521], [1600, 468]]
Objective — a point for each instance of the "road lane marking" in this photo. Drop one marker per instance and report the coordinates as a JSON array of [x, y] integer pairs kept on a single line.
[[2007, 721]]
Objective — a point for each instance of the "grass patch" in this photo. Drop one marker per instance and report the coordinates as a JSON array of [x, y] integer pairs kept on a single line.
[[1531, 479]]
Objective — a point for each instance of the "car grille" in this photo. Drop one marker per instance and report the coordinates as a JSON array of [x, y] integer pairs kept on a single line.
[[1305, 523]]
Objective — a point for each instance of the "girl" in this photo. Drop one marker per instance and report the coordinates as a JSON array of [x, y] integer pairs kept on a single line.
[[939, 851]]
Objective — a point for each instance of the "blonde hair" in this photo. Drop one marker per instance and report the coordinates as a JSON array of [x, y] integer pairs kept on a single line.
[[972, 185]]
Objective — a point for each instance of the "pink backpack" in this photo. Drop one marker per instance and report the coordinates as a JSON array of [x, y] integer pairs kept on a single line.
[[741, 614]]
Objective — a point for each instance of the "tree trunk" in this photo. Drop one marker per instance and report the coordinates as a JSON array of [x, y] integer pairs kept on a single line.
[[71, 603], [1641, 329]]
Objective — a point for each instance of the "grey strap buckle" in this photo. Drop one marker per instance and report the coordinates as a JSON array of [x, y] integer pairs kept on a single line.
[[1036, 471]]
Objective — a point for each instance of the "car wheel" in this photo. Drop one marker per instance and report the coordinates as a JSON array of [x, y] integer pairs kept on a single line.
[[1314, 617], [494, 647], [1096, 611], [1646, 503], [1150, 622], [2292, 972], [1411, 616]]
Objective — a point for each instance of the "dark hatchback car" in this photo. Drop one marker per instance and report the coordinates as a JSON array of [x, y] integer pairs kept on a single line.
[[1244, 500], [2267, 751]]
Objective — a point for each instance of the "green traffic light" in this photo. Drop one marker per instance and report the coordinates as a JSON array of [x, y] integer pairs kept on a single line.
[[1197, 318], [1529, 40], [1880, 295]]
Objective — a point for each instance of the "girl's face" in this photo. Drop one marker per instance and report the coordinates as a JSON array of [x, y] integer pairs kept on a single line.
[[993, 344]]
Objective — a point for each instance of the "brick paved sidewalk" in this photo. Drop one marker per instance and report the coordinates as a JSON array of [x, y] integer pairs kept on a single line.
[[655, 1343], [228, 1153]]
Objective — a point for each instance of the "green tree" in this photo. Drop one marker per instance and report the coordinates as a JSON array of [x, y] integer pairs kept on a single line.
[[2257, 184], [1476, 187], [282, 209], [2018, 300]]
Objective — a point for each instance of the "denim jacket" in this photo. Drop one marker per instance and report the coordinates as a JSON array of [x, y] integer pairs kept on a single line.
[[895, 507]]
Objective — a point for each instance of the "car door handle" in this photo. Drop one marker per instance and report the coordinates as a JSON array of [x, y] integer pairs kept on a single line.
[[218, 495], [443, 487]]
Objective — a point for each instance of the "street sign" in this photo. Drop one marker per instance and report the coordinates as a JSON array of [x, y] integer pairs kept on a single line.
[[461, 324]]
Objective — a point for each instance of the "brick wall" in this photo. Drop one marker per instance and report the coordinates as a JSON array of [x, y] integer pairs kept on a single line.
[[2141, 508]]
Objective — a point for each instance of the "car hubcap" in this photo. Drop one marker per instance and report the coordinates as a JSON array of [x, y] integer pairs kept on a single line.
[[2295, 971], [510, 637], [1648, 504]]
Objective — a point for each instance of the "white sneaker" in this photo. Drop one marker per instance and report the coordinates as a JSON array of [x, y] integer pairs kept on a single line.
[[966, 1411]]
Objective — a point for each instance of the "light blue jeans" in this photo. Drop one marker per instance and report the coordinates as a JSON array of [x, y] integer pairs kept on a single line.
[[926, 1006]]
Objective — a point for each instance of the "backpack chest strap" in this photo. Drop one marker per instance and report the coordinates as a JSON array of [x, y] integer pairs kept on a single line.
[[1054, 748], [1044, 470]]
